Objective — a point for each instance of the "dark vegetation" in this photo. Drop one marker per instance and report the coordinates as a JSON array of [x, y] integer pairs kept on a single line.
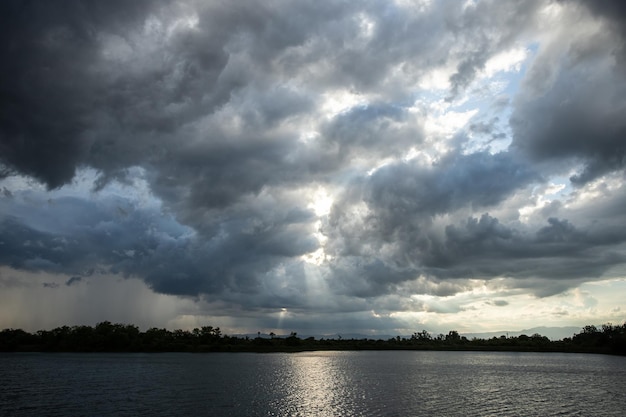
[[110, 337]]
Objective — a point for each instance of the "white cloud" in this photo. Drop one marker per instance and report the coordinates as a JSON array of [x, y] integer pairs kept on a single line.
[[505, 61]]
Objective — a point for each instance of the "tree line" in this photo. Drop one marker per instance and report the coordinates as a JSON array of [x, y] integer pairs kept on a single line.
[[116, 337]]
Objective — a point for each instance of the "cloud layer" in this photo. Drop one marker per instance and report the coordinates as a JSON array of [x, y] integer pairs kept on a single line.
[[317, 157]]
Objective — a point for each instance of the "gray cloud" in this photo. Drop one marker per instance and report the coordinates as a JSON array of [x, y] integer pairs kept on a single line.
[[478, 179], [384, 252], [474, 30], [138, 77], [394, 239], [234, 114], [132, 241], [570, 116], [584, 122], [374, 131], [615, 12], [50, 89], [484, 247], [403, 198]]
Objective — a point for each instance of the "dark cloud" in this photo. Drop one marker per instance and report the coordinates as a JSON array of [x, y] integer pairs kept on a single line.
[[366, 277], [145, 243], [138, 76], [612, 9], [615, 12], [73, 281], [480, 248], [570, 116], [391, 239], [372, 131], [402, 198], [486, 248], [577, 120], [479, 179], [50, 86], [231, 116]]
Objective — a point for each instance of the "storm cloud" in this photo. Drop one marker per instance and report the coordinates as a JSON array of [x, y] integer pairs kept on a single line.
[[318, 157]]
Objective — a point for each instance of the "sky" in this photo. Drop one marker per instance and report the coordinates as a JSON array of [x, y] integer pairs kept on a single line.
[[325, 167]]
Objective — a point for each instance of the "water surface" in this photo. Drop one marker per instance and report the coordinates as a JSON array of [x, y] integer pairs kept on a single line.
[[386, 383]]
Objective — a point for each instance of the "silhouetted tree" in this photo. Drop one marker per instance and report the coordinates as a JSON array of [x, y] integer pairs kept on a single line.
[[422, 336], [107, 336], [453, 337]]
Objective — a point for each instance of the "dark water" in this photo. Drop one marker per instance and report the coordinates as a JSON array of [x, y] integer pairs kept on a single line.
[[313, 384]]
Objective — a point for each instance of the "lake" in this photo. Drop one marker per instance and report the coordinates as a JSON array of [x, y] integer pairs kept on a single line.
[[364, 383]]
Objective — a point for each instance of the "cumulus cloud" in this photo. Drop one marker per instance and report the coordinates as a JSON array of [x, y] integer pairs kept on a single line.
[[313, 156]]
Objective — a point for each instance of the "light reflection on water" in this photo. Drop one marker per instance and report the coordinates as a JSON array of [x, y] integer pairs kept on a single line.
[[313, 384], [318, 386]]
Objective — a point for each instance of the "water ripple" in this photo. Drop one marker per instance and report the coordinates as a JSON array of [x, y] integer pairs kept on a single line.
[[351, 384]]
